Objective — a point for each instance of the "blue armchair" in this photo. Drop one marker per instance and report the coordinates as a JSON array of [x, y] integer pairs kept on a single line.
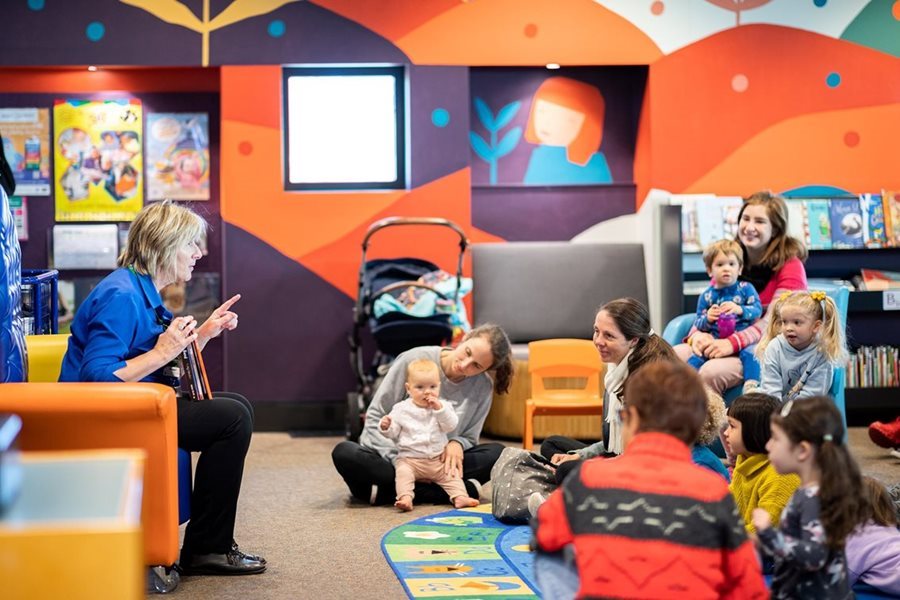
[[678, 328]]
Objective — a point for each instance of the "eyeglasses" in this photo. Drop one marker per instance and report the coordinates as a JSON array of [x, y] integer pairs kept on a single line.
[[621, 413]]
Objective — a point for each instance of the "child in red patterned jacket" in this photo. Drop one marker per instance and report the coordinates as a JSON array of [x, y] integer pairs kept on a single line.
[[649, 523]]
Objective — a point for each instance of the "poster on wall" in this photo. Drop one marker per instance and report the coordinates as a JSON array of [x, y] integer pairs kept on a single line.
[[97, 159], [26, 142], [178, 156]]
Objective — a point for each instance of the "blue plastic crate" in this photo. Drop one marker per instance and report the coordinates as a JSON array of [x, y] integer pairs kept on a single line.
[[40, 301]]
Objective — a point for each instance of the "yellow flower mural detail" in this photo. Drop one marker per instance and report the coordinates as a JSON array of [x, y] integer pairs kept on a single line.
[[176, 13]]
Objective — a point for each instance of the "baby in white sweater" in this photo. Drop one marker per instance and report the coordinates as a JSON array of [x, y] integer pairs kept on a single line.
[[419, 426]]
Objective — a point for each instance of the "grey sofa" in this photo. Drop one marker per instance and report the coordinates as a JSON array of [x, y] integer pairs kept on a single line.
[[542, 290]]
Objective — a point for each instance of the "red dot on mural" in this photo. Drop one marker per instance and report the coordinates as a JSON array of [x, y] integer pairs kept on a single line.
[[245, 148], [530, 30], [851, 138], [657, 8], [895, 10]]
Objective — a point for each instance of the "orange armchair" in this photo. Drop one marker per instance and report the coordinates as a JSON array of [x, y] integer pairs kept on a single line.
[[575, 367], [76, 416]]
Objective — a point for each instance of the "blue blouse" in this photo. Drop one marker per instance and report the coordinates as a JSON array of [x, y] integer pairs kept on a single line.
[[121, 318]]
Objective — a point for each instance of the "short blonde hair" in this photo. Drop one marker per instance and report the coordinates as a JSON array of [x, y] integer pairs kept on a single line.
[[157, 233], [716, 415], [421, 365], [725, 247]]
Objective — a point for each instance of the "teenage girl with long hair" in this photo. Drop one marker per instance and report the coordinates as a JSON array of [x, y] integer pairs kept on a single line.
[[801, 345], [808, 545]]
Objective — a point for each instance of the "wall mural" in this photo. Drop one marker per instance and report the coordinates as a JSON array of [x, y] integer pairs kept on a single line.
[[176, 13], [801, 100]]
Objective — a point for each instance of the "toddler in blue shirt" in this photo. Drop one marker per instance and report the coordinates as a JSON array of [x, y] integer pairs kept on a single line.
[[728, 305]]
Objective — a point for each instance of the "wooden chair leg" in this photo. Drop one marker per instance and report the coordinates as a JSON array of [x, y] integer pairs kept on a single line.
[[528, 429]]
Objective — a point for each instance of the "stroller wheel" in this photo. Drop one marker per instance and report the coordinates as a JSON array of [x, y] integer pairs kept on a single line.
[[354, 418]]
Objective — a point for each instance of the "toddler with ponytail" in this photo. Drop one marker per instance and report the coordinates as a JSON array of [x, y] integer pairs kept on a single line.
[[808, 545]]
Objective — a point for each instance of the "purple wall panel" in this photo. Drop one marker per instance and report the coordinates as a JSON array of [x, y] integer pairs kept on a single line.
[[57, 34], [438, 151], [623, 92], [292, 344], [527, 213], [306, 33]]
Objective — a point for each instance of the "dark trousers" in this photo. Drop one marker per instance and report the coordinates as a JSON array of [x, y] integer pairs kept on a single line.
[[560, 444], [220, 430], [362, 468]]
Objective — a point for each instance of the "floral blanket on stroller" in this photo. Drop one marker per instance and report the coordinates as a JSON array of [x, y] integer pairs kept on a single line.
[[420, 302]]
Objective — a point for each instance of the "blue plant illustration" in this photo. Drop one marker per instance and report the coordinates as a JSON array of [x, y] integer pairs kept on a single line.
[[493, 151]]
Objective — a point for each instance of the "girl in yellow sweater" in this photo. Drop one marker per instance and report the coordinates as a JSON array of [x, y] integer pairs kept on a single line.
[[755, 483]]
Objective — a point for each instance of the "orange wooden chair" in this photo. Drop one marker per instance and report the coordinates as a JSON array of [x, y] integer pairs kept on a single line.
[[572, 368]]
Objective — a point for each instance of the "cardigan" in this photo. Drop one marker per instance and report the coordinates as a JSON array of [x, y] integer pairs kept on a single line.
[[651, 524], [756, 484]]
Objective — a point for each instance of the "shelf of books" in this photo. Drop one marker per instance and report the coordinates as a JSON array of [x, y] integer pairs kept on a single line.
[[873, 381]]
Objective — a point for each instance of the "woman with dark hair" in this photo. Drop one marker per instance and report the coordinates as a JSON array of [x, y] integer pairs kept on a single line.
[[368, 467], [773, 263], [625, 341]]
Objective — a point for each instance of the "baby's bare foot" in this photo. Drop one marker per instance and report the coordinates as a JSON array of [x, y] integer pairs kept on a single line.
[[464, 501], [404, 503]]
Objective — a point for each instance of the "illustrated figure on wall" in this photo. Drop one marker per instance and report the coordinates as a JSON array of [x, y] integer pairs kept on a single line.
[[566, 121]]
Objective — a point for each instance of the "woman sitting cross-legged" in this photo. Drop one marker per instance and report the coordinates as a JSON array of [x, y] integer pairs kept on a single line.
[[368, 467], [625, 342]]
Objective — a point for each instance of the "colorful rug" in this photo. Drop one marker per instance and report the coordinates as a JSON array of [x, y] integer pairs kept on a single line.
[[462, 554]]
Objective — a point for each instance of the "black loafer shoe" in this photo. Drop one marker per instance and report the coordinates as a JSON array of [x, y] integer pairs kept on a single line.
[[231, 563], [256, 557]]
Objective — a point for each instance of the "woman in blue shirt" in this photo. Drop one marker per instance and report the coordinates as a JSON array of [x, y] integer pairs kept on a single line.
[[122, 332]]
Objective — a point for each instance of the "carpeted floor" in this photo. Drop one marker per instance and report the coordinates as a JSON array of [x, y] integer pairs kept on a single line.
[[296, 511]]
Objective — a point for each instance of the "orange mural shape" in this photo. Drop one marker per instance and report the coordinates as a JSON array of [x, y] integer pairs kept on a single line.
[[710, 98], [851, 149], [448, 197], [528, 32], [390, 19]]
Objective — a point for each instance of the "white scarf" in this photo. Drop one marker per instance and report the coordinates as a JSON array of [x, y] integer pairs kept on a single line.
[[612, 381]]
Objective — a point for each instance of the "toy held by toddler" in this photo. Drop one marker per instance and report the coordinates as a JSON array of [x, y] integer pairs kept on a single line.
[[419, 425], [808, 545], [728, 305], [803, 342]]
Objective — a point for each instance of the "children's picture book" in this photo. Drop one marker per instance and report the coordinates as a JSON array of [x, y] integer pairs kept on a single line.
[[875, 280], [690, 228], [819, 220], [846, 223], [874, 235], [890, 201], [731, 208], [798, 222]]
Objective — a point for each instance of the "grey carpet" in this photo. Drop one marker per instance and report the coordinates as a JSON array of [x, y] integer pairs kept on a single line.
[[296, 511]]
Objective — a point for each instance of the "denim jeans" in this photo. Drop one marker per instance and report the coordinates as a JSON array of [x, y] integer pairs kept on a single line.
[[556, 577]]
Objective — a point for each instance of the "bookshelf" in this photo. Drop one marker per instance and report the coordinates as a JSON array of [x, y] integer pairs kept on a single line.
[[868, 323]]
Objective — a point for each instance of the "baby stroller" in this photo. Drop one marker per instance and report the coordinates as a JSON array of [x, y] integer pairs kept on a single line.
[[384, 285]]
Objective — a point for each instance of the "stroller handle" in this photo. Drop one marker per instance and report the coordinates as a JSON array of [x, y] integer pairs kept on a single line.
[[393, 221]]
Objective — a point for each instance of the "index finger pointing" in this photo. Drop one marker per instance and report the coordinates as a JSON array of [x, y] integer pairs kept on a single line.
[[228, 303]]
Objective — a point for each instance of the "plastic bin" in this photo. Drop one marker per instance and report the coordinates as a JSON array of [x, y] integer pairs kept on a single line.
[[40, 301]]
